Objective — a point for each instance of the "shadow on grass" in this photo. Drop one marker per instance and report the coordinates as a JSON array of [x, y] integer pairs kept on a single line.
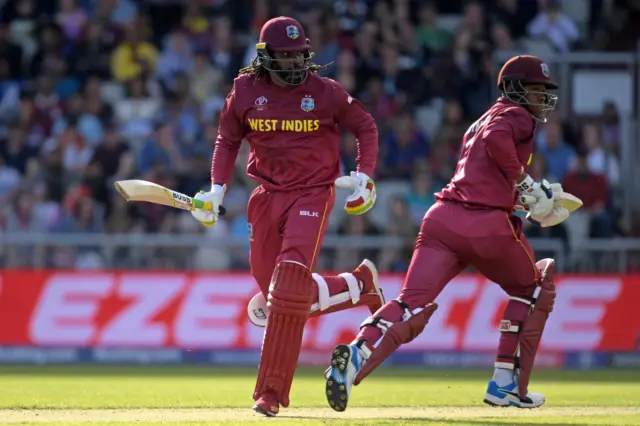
[[208, 372], [435, 420]]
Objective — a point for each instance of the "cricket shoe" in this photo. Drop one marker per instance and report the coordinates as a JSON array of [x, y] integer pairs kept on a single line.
[[346, 361], [267, 405], [507, 396], [371, 295]]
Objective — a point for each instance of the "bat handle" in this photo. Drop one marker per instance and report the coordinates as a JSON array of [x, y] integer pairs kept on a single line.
[[207, 206]]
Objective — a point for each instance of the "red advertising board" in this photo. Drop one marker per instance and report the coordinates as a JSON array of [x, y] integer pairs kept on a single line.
[[161, 310]]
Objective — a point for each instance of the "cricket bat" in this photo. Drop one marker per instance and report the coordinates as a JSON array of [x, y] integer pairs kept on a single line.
[[568, 201], [142, 190]]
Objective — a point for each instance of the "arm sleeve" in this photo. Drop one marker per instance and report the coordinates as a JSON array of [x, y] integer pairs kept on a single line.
[[499, 138], [228, 141], [352, 115]]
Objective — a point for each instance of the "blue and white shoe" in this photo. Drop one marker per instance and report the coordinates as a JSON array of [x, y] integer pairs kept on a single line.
[[507, 396], [345, 364]]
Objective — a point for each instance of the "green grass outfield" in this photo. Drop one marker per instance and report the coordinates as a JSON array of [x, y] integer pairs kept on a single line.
[[72, 395]]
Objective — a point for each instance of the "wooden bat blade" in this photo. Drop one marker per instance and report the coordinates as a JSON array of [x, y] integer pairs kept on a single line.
[[142, 190], [568, 201]]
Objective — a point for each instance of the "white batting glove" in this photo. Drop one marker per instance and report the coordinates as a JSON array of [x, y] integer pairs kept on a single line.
[[364, 194], [559, 213], [537, 196], [215, 197]]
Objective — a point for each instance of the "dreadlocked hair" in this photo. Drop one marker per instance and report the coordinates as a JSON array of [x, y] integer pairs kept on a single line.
[[257, 70]]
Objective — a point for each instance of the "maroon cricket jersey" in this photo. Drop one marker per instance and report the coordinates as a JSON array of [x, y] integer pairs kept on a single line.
[[294, 132], [495, 149]]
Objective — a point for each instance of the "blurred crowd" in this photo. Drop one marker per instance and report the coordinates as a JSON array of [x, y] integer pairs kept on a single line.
[[93, 91]]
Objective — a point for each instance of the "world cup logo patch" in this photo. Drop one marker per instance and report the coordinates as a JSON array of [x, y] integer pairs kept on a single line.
[[293, 32], [307, 104]]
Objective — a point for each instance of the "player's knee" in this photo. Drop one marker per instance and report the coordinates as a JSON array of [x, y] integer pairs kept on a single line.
[[415, 298], [541, 294], [290, 289], [547, 272], [544, 295]]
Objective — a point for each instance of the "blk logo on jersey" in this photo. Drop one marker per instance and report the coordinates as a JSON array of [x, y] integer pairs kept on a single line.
[[307, 104], [261, 100]]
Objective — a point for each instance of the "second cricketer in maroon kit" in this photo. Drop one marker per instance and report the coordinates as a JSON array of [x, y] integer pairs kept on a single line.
[[292, 120], [472, 223]]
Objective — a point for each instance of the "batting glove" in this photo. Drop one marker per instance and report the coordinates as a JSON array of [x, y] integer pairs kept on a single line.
[[559, 213], [363, 196], [537, 196], [215, 197]]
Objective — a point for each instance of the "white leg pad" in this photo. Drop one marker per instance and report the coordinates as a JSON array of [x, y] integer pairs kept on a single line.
[[325, 300], [352, 285], [257, 309]]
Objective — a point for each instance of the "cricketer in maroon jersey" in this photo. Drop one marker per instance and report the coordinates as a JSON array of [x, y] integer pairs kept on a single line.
[[292, 119], [471, 223]]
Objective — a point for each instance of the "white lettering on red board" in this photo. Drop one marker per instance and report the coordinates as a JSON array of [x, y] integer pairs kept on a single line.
[[580, 306], [149, 294], [212, 313], [66, 309], [208, 316]]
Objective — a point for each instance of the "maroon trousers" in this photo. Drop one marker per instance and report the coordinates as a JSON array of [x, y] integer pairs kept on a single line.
[[453, 237]]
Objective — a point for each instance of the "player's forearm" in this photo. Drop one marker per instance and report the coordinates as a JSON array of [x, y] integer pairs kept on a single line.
[[522, 177], [359, 122], [223, 161], [503, 151], [367, 152]]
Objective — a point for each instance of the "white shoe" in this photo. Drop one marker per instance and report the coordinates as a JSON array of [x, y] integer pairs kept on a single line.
[[345, 364], [507, 396]]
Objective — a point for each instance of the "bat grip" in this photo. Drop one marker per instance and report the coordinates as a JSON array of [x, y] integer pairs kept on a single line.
[[207, 206]]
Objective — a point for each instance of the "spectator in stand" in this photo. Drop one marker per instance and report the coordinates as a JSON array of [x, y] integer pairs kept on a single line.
[[554, 26], [600, 160], [9, 179], [176, 57], [432, 37], [558, 155], [94, 53], [611, 128], [593, 190], [205, 78], [501, 38], [135, 57], [403, 146], [196, 24], [448, 136], [382, 106], [421, 196], [72, 18], [11, 54], [515, 15], [355, 226], [134, 113], [400, 224]]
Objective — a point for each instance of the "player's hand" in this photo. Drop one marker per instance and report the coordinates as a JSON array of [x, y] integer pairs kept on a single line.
[[215, 197], [363, 196], [559, 213], [537, 196]]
